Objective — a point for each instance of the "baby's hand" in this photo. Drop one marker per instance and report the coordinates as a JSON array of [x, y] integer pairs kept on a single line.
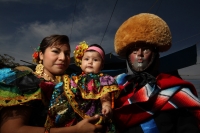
[[107, 111]]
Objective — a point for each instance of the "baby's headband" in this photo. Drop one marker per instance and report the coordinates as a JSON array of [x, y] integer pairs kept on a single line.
[[82, 48], [95, 48]]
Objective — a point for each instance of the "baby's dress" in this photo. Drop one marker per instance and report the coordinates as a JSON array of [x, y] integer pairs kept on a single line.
[[79, 97]]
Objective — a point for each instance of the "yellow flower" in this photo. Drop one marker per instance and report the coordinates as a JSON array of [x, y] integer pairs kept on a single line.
[[79, 52]]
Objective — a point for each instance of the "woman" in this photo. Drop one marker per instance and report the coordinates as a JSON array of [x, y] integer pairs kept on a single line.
[[25, 95]]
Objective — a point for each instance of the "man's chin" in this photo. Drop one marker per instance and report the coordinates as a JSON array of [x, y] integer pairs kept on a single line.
[[138, 69]]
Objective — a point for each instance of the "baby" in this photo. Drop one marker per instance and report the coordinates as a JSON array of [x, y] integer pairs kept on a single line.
[[93, 84]]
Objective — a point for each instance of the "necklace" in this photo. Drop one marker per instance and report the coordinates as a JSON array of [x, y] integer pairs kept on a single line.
[[49, 78], [39, 70]]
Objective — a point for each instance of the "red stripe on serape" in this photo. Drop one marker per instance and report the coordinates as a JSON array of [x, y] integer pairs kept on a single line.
[[122, 101], [159, 102], [182, 99], [166, 81], [121, 87], [130, 115], [168, 106], [140, 96]]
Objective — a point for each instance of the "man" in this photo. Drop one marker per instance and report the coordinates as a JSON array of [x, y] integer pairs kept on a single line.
[[151, 102]]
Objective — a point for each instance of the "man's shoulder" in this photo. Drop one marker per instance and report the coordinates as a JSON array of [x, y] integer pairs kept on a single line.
[[121, 78]]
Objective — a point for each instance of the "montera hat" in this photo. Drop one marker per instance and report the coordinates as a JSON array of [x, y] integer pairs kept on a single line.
[[142, 28]]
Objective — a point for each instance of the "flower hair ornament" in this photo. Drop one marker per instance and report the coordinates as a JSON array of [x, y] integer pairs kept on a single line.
[[35, 55], [79, 52], [39, 68]]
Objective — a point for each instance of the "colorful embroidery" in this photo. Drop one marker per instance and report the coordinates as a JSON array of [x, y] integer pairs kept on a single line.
[[72, 100], [10, 94]]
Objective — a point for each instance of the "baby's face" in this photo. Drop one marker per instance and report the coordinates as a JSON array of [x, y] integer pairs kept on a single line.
[[91, 62]]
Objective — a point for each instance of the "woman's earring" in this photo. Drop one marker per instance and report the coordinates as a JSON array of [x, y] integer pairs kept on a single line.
[[39, 68]]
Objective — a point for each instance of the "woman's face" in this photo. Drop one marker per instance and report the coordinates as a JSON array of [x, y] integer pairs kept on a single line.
[[140, 58], [56, 59]]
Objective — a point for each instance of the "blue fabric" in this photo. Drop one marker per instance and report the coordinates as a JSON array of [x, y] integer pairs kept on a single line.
[[121, 78], [58, 89], [7, 75], [149, 127], [59, 86]]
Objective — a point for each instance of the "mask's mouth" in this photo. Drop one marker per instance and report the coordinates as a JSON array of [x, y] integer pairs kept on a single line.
[[141, 64]]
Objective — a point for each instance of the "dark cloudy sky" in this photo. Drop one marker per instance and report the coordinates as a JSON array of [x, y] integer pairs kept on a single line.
[[24, 23]]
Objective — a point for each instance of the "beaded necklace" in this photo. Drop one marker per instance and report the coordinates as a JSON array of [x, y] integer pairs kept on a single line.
[[49, 78]]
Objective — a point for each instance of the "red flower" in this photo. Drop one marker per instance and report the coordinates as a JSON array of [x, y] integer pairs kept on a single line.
[[35, 55]]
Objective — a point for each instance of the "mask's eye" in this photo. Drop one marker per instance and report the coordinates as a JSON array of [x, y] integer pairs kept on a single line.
[[135, 50], [146, 50]]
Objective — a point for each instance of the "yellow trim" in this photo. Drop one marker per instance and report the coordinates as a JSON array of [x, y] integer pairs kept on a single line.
[[71, 97], [18, 100]]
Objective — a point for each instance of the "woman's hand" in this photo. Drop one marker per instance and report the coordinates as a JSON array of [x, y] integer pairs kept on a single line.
[[15, 120], [88, 125]]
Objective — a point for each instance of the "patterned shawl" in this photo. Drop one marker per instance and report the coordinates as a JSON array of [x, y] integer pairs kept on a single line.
[[168, 93]]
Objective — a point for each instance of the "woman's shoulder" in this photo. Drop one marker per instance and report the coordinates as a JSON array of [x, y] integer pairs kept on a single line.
[[24, 68], [9, 75], [18, 86]]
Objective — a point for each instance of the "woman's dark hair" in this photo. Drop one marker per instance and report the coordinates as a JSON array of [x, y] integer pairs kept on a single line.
[[54, 40]]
